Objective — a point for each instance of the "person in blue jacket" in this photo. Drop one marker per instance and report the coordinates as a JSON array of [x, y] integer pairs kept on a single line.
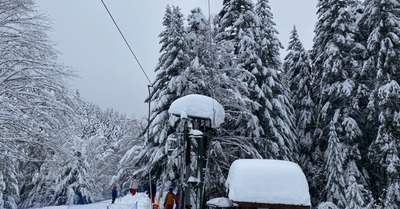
[[114, 193]]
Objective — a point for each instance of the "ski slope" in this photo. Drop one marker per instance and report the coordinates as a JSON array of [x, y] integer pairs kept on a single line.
[[139, 201]]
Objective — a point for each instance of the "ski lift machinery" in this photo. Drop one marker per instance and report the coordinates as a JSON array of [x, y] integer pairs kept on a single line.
[[200, 116]]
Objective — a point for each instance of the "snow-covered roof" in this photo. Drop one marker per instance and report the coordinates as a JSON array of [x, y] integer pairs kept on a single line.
[[199, 106], [267, 182]]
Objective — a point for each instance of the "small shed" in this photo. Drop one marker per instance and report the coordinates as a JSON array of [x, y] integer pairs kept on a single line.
[[272, 184]]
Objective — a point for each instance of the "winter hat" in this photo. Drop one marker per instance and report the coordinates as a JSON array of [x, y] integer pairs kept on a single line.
[[115, 187]]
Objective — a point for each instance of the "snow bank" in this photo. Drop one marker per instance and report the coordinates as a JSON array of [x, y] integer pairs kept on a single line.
[[200, 106], [267, 181], [221, 202], [139, 201]]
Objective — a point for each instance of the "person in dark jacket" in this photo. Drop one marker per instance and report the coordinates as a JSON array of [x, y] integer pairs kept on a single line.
[[114, 194]]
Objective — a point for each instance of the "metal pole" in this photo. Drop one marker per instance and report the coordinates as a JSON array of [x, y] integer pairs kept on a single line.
[[150, 190], [148, 139], [200, 164], [182, 170], [187, 165], [148, 116], [150, 187]]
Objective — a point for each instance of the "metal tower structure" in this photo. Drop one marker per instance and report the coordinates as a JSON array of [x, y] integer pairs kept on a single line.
[[200, 116]]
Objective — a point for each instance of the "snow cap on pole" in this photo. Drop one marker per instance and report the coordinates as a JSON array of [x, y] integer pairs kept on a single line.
[[199, 106]]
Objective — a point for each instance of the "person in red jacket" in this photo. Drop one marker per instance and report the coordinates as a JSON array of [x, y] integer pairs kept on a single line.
[[170, 199]]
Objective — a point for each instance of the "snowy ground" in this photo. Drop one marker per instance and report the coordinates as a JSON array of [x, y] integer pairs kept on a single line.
[[139, 201]]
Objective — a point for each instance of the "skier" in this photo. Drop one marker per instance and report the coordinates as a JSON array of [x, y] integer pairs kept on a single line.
[[114, 194], [170, 199], [133, 186]]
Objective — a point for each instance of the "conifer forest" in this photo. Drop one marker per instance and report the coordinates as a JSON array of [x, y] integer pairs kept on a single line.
[[333, 109]]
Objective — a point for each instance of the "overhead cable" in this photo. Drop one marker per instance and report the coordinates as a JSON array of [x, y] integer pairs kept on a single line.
[[126, 42]]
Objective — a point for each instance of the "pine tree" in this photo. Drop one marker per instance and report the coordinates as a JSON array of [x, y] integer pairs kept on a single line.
[[297, 67], [269, 43], [355, 192], [211, 75], [245, 33], [237, 51], [198, 35], [237, 17], [73, 184], [172, 62], [334, 167], [201, 76], [381, 23], [336, 87], [276, 113]]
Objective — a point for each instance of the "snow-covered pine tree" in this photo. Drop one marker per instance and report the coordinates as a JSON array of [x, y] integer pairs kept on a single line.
[[336, 90], [237, 51], [66, 179], [199, 36], [172, 62], [355, 192], [269, 42], [297, 70], [209, 75], [63, 179], [297, 67], [276, 112], [104, 137], [89, 117], [42, 185], [334, 167], [201, 76], [382, 22]]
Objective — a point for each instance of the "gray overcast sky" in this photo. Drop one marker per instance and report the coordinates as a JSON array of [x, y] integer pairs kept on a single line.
[[109, 76]]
